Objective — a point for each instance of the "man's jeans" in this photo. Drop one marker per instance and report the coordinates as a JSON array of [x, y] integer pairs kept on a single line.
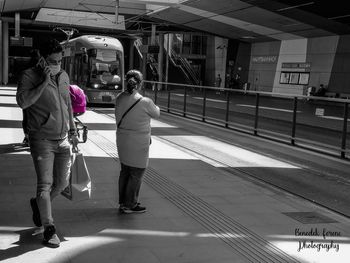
[[52, 161], [130, 180]]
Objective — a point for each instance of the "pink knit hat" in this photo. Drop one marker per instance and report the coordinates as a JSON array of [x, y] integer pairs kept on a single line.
[[78, 99]]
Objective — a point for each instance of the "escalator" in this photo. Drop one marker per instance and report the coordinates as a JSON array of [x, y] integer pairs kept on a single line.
[[180, 69]]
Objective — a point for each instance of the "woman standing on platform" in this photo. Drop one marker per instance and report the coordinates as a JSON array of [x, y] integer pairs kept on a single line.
[[133, 114]]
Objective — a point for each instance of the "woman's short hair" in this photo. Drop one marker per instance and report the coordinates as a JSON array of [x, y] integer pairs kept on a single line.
[[133, 79]]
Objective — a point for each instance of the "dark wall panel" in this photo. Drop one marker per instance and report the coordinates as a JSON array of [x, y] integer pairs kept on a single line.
[[340, 77]]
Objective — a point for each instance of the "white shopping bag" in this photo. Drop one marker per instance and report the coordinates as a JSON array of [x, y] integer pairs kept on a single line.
[[79, 187]]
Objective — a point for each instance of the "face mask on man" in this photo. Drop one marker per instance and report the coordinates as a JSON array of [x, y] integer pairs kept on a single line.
[[55, 69]]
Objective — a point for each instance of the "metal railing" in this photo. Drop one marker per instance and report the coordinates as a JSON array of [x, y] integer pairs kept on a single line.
[[298, 120]]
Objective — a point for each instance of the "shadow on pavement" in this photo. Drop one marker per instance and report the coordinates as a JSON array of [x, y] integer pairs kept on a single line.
[[27, 242], [13, 148]]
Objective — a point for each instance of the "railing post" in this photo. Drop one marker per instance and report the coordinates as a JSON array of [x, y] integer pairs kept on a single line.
[[294, 121], [155, 94], [345, 124], [204, 103], [227, 108], [144, 85], [185, 97], [256, 114], [168, 108]]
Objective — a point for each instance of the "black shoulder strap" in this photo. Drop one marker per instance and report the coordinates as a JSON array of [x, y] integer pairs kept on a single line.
[[132, 106]]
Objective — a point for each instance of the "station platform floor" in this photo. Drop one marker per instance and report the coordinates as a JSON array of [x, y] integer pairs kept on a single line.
[[201, 205]]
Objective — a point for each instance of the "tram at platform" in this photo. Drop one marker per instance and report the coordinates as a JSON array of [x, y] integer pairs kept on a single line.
[[96, 64]]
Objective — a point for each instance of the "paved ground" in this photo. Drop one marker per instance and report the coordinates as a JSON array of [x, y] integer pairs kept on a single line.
[[199, 209]]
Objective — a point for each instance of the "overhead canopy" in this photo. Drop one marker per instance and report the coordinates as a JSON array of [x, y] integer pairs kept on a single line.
[[80, 18], [246, 20]]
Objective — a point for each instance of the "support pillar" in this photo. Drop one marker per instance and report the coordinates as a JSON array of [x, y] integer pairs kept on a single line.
[[17, 24], [160, 59], [167, 60], [1, 51], [117, 12], [153, 35], [144, 57], [131, 54], [5, 52]]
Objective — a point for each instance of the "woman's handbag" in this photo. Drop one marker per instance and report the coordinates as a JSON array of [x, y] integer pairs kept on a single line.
[[79, 187]]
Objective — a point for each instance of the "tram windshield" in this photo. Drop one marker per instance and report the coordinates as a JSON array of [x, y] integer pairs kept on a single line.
[[106, 68]]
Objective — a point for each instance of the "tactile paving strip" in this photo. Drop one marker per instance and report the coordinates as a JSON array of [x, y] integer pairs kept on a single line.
[[310, 217], [245, 242]]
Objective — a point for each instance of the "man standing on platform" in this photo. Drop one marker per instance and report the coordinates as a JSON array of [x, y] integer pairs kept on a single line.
[[43, 91]]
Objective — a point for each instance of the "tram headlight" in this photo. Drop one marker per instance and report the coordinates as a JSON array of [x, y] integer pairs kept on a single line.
[[116, 87], [96, 86]]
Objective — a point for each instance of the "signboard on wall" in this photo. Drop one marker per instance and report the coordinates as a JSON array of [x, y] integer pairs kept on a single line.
[[295, 78], [301, 65], [21, 41], [304, 78], [295, 73], [264, 59], [151, 49]]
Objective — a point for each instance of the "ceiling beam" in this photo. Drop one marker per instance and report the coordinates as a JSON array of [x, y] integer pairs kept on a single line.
[[154, 2]]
